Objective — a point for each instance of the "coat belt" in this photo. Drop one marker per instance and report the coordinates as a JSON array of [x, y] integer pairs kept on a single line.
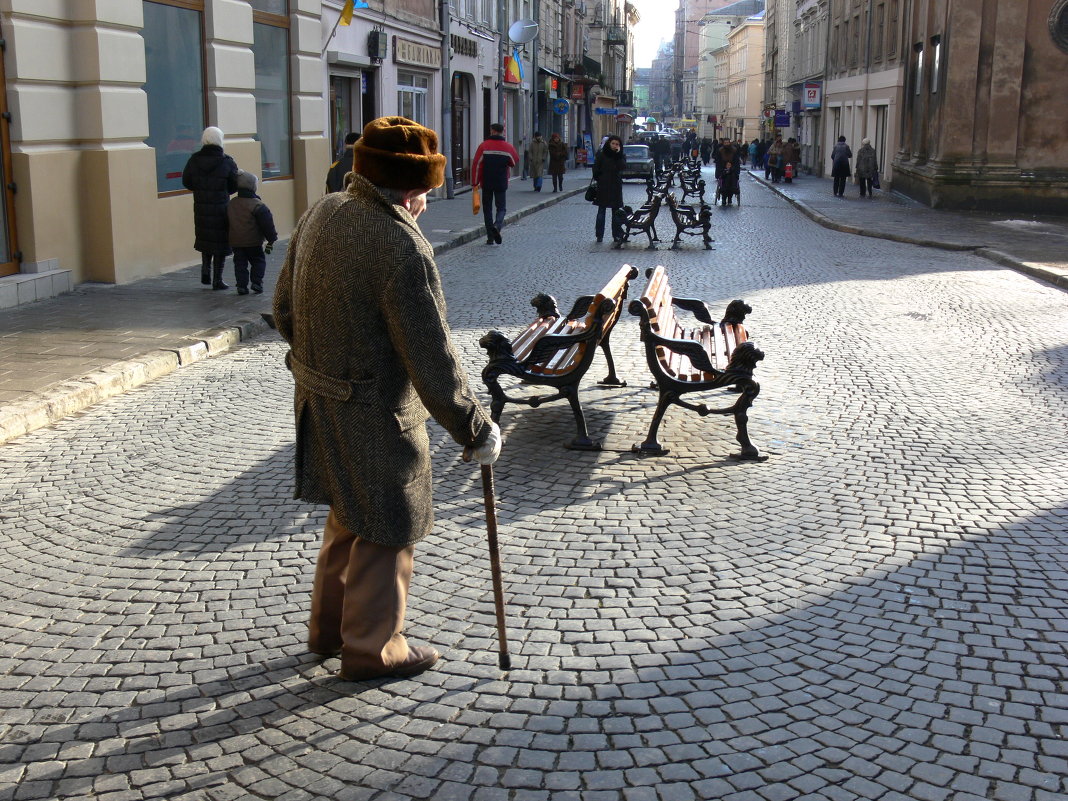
[[338, 389]]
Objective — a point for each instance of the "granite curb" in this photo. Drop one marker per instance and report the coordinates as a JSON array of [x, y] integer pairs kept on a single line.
[[1050, 275], [69, 397]]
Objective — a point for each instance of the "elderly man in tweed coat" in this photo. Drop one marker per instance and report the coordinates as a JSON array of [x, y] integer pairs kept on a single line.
[[359, 300]]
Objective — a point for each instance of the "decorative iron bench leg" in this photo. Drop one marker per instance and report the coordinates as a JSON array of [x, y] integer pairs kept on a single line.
[[750, 452], [651, 444], [582, 441], [611, 380]]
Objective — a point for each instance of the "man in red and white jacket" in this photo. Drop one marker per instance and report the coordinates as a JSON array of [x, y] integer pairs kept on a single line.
[[491, 170]]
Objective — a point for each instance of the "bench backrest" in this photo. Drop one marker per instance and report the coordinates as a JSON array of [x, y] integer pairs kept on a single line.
[[719, 340], [566, 359]]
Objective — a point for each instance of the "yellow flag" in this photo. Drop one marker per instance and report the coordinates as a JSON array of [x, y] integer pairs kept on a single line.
[[346, 12]]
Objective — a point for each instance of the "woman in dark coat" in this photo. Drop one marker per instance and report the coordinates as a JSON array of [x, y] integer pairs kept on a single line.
[[211, 175], [557, 161], [840, 170], [607, 172]]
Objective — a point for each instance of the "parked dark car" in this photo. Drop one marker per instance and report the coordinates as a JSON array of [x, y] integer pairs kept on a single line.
[[639, 162]]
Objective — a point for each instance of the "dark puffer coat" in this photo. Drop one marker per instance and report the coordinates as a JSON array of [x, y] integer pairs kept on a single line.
[[607, 169], [211, 175]]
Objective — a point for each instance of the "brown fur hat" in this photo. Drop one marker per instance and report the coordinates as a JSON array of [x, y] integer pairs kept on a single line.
[[397, 153]]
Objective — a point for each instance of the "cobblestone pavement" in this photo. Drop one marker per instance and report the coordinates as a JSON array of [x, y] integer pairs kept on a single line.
[[876, 612]]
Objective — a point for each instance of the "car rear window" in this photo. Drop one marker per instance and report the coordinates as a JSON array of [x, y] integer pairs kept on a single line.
[[636, 152]]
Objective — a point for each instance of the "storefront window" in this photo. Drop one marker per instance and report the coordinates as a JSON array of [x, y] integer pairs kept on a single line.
[[175, 88], [271, 50], [411, 96]]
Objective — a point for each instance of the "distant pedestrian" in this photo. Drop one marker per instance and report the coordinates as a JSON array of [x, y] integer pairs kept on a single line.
[[840, 170], [867, 167], [773, 166], [706, 151], [491, 170], [211, 176], [661, 148], [791, 155], [335, 177], [754, 155], [557, 161], [536, 153], [608, 173], [251, 223]]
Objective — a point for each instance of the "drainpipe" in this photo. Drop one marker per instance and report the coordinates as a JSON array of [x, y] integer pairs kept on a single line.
[[501, 45], [867, 75], [534, 77], [446, 97], [825, 109]]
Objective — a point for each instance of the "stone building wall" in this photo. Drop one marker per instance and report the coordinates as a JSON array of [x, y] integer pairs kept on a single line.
[[984, 119]]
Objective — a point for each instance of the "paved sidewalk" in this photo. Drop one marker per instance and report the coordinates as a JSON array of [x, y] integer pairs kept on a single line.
[[1037, 245], [59, 356]]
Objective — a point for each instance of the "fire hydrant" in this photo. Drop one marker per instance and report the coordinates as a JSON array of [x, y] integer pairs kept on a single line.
[[789, 173]]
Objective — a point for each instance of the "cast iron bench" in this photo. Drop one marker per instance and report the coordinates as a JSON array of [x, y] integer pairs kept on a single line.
[[694, 358], [690, 220], [641, 220], [556, 351]]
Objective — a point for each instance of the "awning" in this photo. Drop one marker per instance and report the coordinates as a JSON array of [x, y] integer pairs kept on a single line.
[[553, 73]]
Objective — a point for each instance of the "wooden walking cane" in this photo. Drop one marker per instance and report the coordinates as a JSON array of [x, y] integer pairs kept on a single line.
[[503, 658]]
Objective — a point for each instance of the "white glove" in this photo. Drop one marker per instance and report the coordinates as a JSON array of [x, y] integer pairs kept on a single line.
[[488, 451]]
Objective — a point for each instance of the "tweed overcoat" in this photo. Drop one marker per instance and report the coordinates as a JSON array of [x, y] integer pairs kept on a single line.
[[538, 151], [359, 300]]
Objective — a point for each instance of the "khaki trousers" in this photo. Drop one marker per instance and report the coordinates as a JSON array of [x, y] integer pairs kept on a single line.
[[359, 599]]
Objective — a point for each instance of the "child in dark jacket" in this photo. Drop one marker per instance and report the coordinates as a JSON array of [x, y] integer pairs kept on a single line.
[[251, 222]]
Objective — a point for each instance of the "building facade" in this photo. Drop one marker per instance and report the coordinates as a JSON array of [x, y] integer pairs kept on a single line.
[[745, 79], [808, 59], [865, 75], [107, 101], [983, 116]]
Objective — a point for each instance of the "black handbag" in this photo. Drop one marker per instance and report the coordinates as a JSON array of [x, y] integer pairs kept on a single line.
[[591, 192]]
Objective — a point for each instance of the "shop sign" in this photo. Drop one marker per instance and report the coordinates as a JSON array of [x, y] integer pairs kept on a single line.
[[561, 106], [813, 94], [782, 118], [578, 91], [606, 111], [462, 46], [415, 54]]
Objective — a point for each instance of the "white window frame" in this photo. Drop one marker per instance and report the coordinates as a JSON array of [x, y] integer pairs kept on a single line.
[[417, 92]]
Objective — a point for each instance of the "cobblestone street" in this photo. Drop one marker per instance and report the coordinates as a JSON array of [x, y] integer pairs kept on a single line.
[[879, 611]]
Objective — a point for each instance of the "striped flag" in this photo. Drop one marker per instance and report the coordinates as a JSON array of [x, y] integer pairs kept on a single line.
[[346, 12]]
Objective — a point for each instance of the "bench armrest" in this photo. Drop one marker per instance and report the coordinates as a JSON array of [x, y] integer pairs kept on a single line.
[[695, 306], [694, 351], [550, 344]]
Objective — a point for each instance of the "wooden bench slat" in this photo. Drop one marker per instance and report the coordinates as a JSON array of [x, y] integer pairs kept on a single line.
[[731, 342], [524, 343]]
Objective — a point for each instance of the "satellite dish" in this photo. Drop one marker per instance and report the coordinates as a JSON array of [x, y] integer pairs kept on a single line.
[[523, 31]]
